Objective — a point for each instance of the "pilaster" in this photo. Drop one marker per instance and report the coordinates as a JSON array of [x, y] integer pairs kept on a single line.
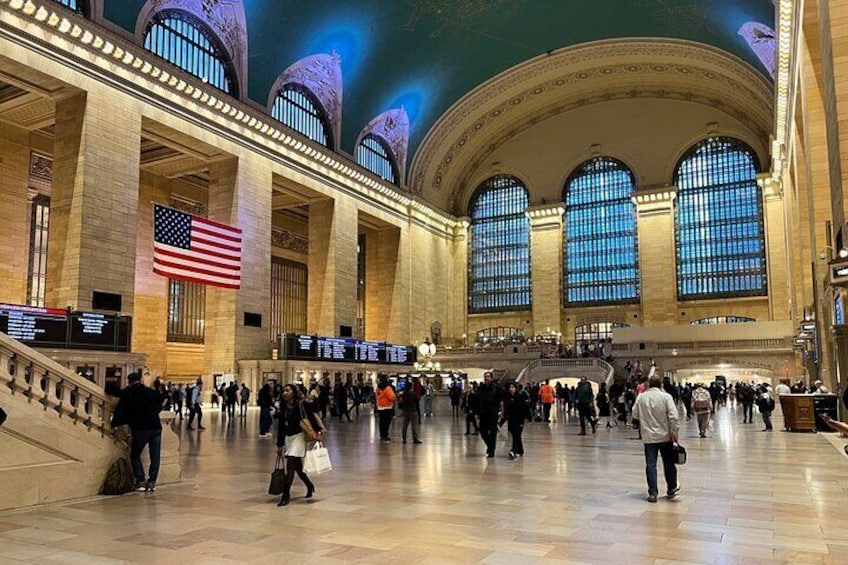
[[14, 216], [546, 271], [94, 202], [459, 283], [776, 248], [657, 260], [240, 195]]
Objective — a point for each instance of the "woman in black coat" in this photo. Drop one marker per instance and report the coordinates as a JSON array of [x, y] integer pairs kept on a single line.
[[602, 399], [517, 411]]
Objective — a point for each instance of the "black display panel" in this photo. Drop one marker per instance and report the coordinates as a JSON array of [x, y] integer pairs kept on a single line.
[[39, 327], [51, 327], [339, 349]]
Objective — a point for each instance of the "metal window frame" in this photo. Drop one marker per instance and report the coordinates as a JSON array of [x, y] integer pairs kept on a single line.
[[309, 118], [39, 229], [369, 157], [594, 257], [186, 322], [595, 332], [289, 296]]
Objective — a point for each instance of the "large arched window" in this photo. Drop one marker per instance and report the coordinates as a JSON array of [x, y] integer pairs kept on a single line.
[[75, 5], [499, 247], [185, 41], [599, 239], [719, 222], [373, 154], [297, 107]]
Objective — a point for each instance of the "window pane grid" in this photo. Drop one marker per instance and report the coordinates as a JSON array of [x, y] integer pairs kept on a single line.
[[373, 155], [179, 38], [593, 333], [186, 311], [719, 223], [288, 297], [722, 320], [75, 5], [38, 232], [297, 110], [499, 243], [600, 246]]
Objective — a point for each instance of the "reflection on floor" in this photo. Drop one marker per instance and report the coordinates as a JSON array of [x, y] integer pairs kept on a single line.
[[747, 497]]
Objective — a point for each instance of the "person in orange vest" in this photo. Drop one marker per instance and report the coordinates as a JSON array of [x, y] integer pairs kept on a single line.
[[385, 407], [546, 397]]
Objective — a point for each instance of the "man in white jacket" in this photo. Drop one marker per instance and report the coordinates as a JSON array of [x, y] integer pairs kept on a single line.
[[657, 417]]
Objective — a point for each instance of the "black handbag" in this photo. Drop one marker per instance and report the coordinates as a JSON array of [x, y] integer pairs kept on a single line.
[[278, 477], [679, 454]]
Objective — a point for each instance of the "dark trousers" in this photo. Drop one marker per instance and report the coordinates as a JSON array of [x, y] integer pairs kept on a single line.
[[587, 414], [747, 412], [516, 429], [471, 420], [666, 450], [489, 432], [411, 418], [265, 420], [767, 419], [231, 408], [152, 439], [243, 408], [178, 409], [546, 411], [385, 422], [195, 410]]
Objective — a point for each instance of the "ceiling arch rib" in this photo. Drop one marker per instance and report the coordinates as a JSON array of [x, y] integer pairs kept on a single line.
[[577, 77]]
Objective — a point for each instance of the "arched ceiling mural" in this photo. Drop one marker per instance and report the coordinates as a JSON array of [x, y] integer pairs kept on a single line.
[[425, 55]]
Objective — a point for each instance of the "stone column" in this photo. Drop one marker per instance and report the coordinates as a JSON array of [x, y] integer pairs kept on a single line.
[[94, 202], [333, 229], [14, 215], [657, 259], [384, 303], [240, 195], [546, 271], [460, 280], [776, 248]]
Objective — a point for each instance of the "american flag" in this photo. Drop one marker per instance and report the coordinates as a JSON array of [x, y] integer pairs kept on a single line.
[[189, 248]]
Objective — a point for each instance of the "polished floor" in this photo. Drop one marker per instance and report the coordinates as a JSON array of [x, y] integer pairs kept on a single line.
[[747, 497]]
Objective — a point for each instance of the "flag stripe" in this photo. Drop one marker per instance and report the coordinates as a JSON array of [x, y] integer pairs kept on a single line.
[[187, 276], [217, 225], [215, 250], [200, 265], [199, 256], [199, 228], [233, 277], [216, 241]]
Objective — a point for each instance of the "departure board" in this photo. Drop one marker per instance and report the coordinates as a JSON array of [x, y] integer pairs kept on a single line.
[[44, 327], [339, 349], [92, 331]]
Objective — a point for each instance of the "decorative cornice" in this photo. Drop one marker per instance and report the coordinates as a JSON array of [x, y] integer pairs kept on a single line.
[[654, 198], [542, 216], [187, 205], [289, 240]]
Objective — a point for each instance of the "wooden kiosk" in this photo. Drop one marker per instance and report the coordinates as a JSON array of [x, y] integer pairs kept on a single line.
[[799, 412]]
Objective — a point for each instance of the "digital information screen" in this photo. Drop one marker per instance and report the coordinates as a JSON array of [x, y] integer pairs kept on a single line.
[[46, 327], [316, 348], [51, 327]]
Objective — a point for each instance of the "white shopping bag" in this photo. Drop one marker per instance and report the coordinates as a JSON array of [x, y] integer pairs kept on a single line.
[[317, 460]]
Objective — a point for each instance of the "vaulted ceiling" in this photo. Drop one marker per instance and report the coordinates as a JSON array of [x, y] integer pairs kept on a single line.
[[426, 55]]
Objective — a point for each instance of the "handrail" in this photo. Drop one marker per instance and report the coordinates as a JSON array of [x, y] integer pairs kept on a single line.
[[24, 370], [577, 362]]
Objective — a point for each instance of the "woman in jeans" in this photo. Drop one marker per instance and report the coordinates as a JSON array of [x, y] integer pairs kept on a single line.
[[294, 415], [517, 411]]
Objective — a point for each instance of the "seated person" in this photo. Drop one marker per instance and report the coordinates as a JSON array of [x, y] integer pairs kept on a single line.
[[840, 427]]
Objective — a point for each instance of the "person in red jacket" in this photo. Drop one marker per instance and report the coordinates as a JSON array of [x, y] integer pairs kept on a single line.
[[546, 397]]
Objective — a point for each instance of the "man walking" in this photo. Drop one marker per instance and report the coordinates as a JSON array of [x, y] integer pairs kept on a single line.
[[490, 409], [244, 399], [701, 406], [546, 397], [139, 408], [657, 417], [195, 399], [411, 409], [585, 405], [265, 400]]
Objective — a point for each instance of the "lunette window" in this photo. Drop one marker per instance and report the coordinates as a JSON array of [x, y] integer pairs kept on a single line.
[[75, 5], [600, 249], [186, 311], [185, 41], [297, 108], [499, 242], [719, 222], [373, 154]]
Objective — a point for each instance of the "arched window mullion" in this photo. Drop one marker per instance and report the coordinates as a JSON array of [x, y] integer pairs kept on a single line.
[[373, 154], [719, 230], [499, 247], [77, 6], [296, 107], [599, 241]]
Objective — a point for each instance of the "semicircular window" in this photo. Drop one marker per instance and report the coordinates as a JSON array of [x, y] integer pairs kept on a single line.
[[719, 222], [182, 39], [499, 247], [75, 5], [599, 235], [722, 320], [373, 154], [297, 107]]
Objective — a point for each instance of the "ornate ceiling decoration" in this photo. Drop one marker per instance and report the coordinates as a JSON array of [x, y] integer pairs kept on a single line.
[[576, 77]]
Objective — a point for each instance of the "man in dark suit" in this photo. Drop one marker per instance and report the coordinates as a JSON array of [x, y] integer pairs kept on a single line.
[[139, 408]]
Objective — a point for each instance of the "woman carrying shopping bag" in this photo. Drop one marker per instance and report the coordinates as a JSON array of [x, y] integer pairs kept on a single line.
[[297, 425]]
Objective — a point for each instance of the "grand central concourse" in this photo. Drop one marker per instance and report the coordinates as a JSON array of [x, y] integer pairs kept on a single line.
[[342, 192]]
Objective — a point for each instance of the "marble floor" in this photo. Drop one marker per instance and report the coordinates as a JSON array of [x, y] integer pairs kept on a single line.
[[747, 497]]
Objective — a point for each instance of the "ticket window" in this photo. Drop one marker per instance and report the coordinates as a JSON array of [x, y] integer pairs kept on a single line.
[[87, 372], [114, 380]]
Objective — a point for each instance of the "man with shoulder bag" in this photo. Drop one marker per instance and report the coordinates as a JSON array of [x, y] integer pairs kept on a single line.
[[657, 414]]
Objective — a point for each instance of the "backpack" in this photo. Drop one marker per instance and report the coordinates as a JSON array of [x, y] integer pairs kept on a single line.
[[119, 478]]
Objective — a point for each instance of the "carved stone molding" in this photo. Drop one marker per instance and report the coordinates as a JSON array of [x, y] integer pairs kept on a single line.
[[579, 76], [225, 18], [322, 75], [289, 240], [393, 127], [40, 168], [187, 205]]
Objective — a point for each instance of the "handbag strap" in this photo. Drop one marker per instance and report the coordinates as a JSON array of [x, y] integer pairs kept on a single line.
[[279, 464]]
